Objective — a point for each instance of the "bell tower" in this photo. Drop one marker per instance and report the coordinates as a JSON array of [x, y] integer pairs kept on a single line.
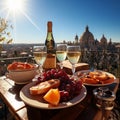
[[76, 39]]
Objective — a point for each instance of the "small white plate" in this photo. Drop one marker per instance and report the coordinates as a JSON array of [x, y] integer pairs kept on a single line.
[[38, 101]]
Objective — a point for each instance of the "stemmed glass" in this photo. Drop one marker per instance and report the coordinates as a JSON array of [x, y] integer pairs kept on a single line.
[[40, 53], [61, 53], [73, 55]]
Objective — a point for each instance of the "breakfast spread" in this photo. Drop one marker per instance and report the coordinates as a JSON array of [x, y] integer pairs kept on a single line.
[[56, 86], [20, 66], [96, 77]]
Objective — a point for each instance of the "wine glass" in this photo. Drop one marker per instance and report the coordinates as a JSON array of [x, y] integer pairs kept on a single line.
[[73, 55], [40, 53], [61, 53]]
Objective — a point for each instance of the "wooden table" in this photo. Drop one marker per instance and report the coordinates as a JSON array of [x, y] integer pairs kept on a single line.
[[85, 110]]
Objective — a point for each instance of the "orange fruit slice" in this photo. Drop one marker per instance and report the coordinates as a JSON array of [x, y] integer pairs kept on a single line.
[[52, 96]]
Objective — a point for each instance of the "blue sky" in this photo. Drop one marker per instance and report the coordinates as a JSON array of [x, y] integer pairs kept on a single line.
[[69, 17]]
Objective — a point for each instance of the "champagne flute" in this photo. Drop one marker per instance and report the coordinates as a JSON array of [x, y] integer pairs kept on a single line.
[[40, 53], [61, 53], [73, 55]]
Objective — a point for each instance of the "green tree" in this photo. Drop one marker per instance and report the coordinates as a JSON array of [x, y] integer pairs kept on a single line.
[[5, 37]]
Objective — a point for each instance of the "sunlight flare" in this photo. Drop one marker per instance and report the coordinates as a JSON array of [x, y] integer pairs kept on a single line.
[[18, 6], [12, 9], [14, 5], [30, 20]]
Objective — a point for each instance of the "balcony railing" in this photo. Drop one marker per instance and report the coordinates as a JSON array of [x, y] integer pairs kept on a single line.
[[101, 60]]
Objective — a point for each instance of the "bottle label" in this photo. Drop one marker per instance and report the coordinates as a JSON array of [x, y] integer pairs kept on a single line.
[[50, 62]]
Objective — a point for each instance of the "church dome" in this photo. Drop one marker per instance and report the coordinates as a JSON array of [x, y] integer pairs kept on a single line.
[[103, 39], [86, 38], [87, 35]]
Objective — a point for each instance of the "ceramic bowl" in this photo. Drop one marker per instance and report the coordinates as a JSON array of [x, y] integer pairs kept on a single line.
[[22, 76]]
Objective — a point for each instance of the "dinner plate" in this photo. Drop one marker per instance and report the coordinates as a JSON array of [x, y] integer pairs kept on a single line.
[[38, 101], [87, 71]]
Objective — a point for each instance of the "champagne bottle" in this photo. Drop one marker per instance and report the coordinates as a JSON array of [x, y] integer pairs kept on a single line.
[[50, 43], [50, 61]]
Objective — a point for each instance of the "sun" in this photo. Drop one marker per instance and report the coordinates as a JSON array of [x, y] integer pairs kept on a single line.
[[15, 8], [15, 5]]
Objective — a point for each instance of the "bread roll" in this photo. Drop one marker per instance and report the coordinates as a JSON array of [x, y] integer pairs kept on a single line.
[[43, 87]]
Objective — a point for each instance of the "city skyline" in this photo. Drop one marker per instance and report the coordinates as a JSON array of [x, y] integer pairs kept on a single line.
[[69, 18]]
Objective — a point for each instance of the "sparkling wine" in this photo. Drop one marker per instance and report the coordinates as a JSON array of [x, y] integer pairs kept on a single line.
[[50, 61], [49, 42], [61, 55], [73, 56], [40, 57]]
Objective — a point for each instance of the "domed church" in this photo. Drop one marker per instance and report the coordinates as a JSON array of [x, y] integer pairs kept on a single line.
[[87, 40]]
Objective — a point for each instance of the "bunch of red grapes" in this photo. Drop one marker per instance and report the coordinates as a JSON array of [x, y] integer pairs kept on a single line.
[[68, 88]]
